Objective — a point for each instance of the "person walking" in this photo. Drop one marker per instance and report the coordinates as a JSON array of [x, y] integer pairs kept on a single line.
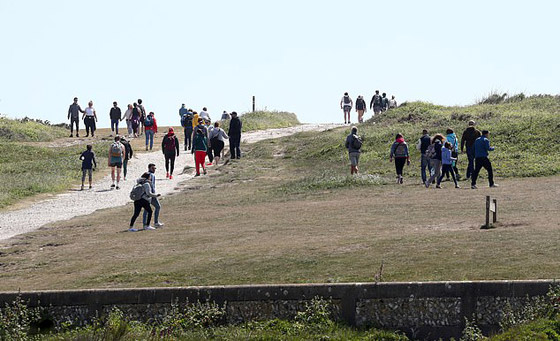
[[88, 163], [143, 185], [187, 124], [234, 133], [434, 154], [467, 140], [90, 117], [354, 145], [454, 141], [361, 108], [384, 102], [392, 102], [422, 146], [150, 125], [170, 149], [127, 156], [481, 149], [182, 111], [217, 140], [128, 119], [115, 159], [143, 115], [74, 116], [115, 116], [225, 116], [204, 115], [154, 200], [399, 151], [209, 152], [136, 115], [346, 105], [199, 148], [447, 164], [375, 103]]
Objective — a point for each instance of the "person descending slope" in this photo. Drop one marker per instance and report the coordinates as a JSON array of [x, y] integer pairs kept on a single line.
[[116, 155], [88, 162]]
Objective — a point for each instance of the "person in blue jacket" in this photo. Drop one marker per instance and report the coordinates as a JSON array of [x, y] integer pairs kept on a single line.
[[481, 149]]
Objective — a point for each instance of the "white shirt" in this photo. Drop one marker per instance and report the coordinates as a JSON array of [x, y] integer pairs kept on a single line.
[[128, 114], [89, 111], [203, 114]]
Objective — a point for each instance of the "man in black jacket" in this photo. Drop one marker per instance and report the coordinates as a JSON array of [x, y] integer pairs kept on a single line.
[[115, 115], [467, 140], [234, 136], [74, 116]]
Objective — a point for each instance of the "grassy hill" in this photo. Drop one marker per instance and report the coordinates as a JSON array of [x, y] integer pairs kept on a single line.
[[260, 120]]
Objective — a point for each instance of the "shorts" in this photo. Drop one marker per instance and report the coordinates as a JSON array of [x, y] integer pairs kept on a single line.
[[347, 108], [376, 109], [116, 164], [354, 158]]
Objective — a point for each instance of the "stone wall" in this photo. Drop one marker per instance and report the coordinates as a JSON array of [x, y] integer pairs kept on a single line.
[[423, 310]]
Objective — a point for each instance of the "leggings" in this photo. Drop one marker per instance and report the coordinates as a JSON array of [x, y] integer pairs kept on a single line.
[[199, 157], [399, 164], [89, 122], [445, 170], [169, 162], [124, 165], [138, 206], [88, 171], [217, 147]]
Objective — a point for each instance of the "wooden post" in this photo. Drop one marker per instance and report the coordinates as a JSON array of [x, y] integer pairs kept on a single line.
[[487, 212], [253, 103], [495, 211]]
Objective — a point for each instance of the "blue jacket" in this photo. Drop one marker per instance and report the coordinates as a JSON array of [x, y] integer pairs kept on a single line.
[[452, 138], [482, 147], [446, 158]]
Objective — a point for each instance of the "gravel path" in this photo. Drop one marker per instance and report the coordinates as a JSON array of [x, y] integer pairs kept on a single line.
[[76, 203]]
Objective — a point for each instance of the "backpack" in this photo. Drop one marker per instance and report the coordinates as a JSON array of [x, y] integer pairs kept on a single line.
[[377, 100], [149, 121], [347, 100], [137, 192], [186, 120], [400, 150], [170, 143], [431, 151], [116, 149], [356, 142]]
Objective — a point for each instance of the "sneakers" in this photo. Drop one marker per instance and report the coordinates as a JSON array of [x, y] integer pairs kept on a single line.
[[82, 188], [494, 186], [171, 177], [427, 184], [117, 187], [71, 135], [113, 186], [167, 175], [438, 186], [401, 180], [148, 227], [197, 174], [132, 229], [457, 186], [185, 147], [89, 186], [205, 172], [159, 224], [474, 187]]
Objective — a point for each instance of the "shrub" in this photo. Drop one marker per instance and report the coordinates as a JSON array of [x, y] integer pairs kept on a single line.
[[16, 320]]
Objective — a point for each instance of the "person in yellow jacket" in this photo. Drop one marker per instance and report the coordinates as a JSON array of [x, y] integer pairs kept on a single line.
[[195, 120]]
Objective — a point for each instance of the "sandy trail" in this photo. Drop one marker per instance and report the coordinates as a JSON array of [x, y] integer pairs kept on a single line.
[[76, 203]]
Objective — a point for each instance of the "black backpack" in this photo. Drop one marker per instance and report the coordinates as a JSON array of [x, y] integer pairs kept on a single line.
[[186, 120], [356, 142]]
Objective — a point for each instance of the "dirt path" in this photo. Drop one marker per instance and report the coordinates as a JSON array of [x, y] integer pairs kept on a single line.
[[76, 203]]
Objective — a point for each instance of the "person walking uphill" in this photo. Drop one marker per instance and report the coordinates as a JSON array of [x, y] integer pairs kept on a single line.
[[187, 124], [346, 105], [74, 116], [234, 133], [481, 149], [199, 148], [115, 116], [454, 141], [467, 140], [150, 125], [434, 154], [354, 146], [154, 200], [217, 140], [170, 149], [90, 117], [116, 156], [142, 193], [376, 103], [422, 146], [447, 163], [88, 161], [399, 151], [361, 108]]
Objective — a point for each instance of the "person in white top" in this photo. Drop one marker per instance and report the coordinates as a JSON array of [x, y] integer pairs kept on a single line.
[[346, 105], [204, 115], [90, 118], [392, 102], [128, 117]]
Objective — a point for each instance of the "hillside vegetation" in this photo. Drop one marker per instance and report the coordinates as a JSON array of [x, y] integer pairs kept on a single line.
[[260, 120], [28, 130]]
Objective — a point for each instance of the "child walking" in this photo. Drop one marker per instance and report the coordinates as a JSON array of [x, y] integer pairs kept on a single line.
[[447, 164], [88, 160]]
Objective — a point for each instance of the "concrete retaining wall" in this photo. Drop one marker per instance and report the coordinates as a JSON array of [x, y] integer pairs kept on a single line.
[[427, 310]]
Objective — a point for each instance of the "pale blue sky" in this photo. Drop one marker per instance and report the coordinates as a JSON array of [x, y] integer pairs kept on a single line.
[[297, 56]]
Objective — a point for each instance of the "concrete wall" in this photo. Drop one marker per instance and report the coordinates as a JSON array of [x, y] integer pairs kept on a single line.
[[427, 310]]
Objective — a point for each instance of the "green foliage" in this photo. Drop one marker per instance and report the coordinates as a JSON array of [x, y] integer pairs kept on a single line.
[[542, 329], [16, 320], [317, 314], [536, 308], [260, 120], [471, 332], [327, 181], [29, 130], [190, 316]]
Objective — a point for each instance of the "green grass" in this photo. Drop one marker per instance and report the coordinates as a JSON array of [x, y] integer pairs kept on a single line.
[[260, 120], [28, 130], [543, 329]]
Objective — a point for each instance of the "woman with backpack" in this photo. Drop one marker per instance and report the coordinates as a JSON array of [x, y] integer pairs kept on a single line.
[[150, 125], [142, 194], [170, 149], [434, 154], [218, 138], [354, 145], [452, 139], [399, 151], [199, 148]]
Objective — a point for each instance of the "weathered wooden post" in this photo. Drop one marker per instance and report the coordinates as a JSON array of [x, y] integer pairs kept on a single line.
[[253, 103], [487, 225], [494, 209], [491, 206]]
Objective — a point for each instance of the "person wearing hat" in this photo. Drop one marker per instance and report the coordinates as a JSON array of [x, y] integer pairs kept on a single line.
[[170, 149], [234, 133], [467, 140]]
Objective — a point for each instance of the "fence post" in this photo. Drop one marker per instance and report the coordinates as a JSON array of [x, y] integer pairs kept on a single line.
[[487, 211], [253, 103], [495, 212]]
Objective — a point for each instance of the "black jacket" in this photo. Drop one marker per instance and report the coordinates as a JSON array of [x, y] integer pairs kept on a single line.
[[235, 128], [115, 113], [469, 136]]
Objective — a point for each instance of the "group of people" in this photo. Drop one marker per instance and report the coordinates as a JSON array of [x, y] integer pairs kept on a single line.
[[378, 104], [438, 154]]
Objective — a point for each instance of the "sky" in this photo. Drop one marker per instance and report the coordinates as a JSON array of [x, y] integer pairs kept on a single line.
[[296, 56]]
